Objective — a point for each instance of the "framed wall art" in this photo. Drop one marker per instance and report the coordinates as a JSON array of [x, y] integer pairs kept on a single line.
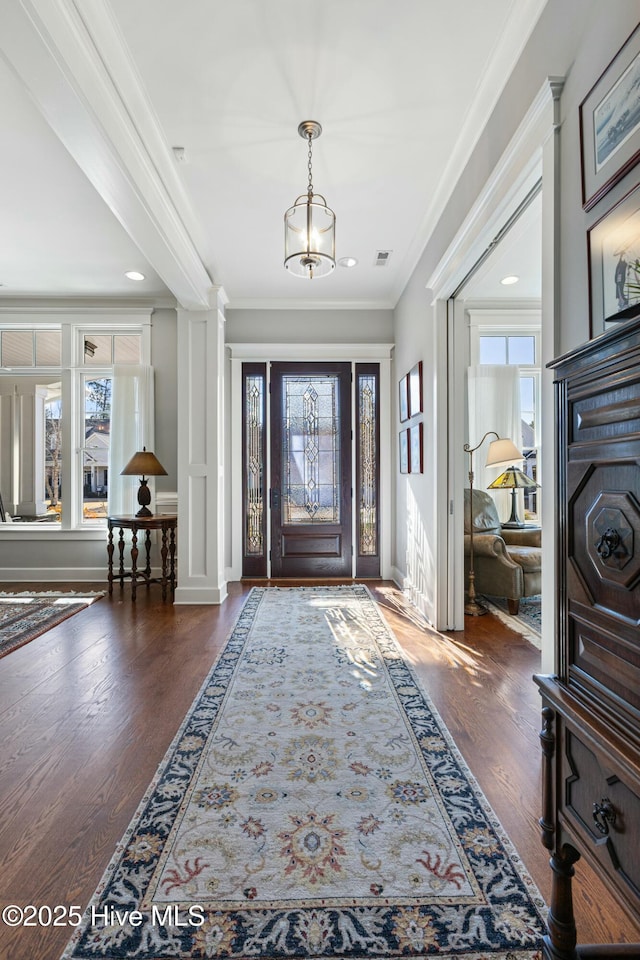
[[610, 124], [614, 264], [403, 399], [404, 451], [415, 389], [416, 448]]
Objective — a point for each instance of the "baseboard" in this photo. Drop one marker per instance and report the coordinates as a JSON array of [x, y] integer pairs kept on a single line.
[[53, 574], [193, 595]]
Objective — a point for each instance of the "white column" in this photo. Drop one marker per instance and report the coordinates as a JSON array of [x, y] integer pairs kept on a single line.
[[30, 415], [201, 520]]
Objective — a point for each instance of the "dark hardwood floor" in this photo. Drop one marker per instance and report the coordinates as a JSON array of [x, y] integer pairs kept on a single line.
[[89, 708]]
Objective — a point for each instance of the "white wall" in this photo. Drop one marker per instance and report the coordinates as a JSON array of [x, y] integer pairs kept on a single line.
[[309, 326]]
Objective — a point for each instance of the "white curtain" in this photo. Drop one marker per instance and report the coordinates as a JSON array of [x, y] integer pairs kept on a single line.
[[494, 404], [131, 430]]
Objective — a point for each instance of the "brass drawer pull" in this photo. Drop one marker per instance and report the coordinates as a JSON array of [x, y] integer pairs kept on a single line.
[[603, 815]]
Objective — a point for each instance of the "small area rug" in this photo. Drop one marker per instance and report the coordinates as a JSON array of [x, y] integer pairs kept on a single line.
[[528, 620], [312, 805], [24, 616]]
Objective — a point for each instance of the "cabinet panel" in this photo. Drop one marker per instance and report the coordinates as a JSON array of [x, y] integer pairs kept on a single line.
[[605, 811]]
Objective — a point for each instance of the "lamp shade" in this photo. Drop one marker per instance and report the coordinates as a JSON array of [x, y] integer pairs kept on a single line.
[[502, 452], [513, 479], [144, 464]]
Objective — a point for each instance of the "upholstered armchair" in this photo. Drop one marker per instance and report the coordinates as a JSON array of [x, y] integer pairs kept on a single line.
[[506, 563]]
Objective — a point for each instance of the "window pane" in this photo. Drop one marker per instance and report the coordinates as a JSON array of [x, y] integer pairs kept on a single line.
[[17, 348], [367, 463], [95, 458], [254, 465], [522, 351], [127, 348], [48, 348], [310, 425], [97, 350], [493, 349], [53, 449]]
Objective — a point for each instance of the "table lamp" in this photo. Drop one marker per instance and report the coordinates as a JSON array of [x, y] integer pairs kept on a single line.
[[146, 464], [513, 479]]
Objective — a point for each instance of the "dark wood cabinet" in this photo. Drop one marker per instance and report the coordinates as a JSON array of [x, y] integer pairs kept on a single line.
[[591, 707]]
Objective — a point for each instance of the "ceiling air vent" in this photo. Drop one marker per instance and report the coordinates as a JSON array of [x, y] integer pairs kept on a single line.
[[382, 258]]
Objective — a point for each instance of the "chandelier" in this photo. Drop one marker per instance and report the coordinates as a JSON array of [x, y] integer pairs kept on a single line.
[[309, 225]]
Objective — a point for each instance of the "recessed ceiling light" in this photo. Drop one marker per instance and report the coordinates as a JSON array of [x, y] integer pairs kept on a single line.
[[507, 281], [134, 275], [348, 262]]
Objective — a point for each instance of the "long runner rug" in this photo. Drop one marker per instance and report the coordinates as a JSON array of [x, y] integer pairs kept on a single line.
[[312, 805], [25, 616]]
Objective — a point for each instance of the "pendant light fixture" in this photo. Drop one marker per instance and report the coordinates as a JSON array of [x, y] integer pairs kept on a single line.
[[310, 225]]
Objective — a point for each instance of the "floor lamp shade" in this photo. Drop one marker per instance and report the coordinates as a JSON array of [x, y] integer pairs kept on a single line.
[[144, 464]]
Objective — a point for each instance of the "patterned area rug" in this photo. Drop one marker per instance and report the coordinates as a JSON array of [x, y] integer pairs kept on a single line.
[[24, 616], [312, 805], [528, 620]]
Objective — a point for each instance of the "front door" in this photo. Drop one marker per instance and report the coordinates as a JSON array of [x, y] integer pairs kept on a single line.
[[311, 484]]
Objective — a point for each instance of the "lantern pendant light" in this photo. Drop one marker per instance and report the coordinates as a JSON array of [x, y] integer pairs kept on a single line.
[[310, 225]]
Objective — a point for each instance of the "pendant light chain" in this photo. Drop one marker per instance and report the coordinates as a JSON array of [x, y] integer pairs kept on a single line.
[[310, 186]]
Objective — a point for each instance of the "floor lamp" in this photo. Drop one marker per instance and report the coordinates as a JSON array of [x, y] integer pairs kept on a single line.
[[501, 452]]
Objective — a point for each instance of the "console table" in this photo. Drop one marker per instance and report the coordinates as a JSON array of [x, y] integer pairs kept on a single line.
[[168, 525]]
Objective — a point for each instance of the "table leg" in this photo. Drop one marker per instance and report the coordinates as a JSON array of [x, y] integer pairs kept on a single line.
[[172, 558], [121, 556], [147, 569], [163, 555], [110, 555], [134, 562]]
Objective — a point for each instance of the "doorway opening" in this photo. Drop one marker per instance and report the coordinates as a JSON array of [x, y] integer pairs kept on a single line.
[[310, 470]]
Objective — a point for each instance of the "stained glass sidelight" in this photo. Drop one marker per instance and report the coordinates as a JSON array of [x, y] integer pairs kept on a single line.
[[310, 449], [367, 472], [254, 465]]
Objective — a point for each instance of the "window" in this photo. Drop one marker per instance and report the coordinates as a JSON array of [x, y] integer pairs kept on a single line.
[[514, 339], [55, 414]]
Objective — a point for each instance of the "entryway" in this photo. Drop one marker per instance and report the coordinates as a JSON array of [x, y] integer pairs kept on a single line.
[[311, 469]]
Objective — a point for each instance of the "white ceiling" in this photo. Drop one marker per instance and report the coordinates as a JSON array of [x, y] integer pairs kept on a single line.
[[97, 94]]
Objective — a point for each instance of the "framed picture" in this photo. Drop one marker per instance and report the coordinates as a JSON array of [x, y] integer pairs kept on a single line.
[[610, 124], [404, 451], [403, 400], [415, 389], [415, 448], [614, 264]]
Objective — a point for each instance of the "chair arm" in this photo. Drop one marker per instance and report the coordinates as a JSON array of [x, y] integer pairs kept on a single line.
[[522, 537], [490, 545]]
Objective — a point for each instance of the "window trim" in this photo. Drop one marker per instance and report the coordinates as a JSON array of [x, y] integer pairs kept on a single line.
[[487, 321]]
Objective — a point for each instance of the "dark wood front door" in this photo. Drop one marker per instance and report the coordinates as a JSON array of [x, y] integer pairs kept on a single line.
[[311, 483]]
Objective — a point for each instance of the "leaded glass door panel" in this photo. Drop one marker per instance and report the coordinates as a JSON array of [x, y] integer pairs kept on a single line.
[[311, 470]]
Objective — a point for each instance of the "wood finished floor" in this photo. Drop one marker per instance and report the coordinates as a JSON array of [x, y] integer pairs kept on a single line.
[[89, 708]]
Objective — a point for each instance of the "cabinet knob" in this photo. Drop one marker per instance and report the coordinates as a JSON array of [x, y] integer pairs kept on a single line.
[[603, 815]]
